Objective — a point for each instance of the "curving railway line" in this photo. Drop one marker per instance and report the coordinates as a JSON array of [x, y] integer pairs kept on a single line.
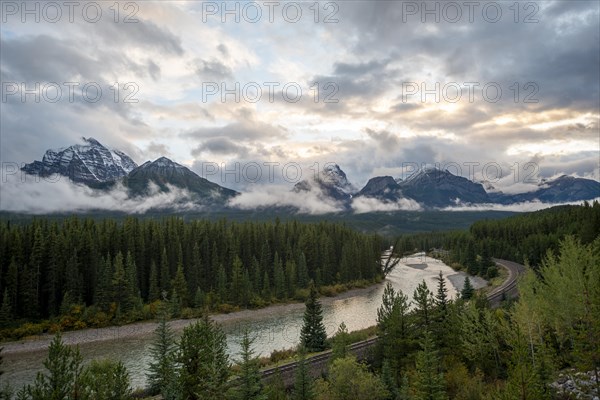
[[318, 362], [508, 289]]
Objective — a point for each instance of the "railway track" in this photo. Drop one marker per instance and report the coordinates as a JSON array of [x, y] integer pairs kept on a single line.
[[508, 289], [317, 359], [318, 363]]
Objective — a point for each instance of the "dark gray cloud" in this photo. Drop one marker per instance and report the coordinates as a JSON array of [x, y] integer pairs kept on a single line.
[[221, 146], [213, 69], [143, 33]]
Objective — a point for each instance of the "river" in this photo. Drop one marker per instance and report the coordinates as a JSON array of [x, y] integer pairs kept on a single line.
[[275, 327]]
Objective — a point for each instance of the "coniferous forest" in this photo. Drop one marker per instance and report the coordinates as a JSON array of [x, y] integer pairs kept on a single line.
[[429, 346], [98, 272]]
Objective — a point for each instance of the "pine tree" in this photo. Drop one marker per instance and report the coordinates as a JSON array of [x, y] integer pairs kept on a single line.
[[341, 340], [313, 334], [204, 361], [303, 382], [303, 278], [74, 279], [180, 288], [5, 310], [389, 381], [266, 289], [222, 284], [424, 303], [470, 259], [165, 275], [121, 285], [199, 298], [468, 291], [429, 381], [236, 280], [104, 292], [62, 379], [290, 277], [105, 379], [278, 278], [395, 324], [441, 298], [161, 371], [250, 386], [153, 290], [275, 389], [12, 284]]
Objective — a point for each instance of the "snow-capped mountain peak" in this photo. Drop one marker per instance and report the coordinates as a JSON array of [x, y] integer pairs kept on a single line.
[[333, 175], [87, 162]]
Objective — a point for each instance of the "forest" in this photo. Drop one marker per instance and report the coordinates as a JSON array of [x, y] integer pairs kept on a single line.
[[545, 346], [524, 238], [82, 272]]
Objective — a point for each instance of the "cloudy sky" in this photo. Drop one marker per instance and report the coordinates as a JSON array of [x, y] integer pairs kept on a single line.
[[372, 86]]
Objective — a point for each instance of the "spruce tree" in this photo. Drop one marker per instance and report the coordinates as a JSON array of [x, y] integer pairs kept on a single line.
[[275, 389], [250, 385], [313, 334], [303, 382], [204, 361], [62, 380], [104, 292], [468, 291], [424, 303], [5, 310], [429, 381], [389, 380], [121, 285], [105, 379], [441, 298], [180, 288], [341, 340], [165, 275], [161, 371], [303, 278], [154, 289]]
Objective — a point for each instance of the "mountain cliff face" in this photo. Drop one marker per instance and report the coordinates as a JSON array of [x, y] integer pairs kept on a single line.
[[382, 188], [439, 188], [331, 182], [562, 189], [164, 172], [89, 163]]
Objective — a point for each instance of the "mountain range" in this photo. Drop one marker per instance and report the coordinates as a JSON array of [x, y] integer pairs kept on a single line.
[[99, 167]]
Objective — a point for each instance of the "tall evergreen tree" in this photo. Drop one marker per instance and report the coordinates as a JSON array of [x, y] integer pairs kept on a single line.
[[105, 380], [5, 310], [303, 382], [165, 275], [121, 285], [313, 335], [153, 288], [104, 290], [341, 340], [429, 382], [162, 371], [250, 386], [62, 380], [424, 303], [467, 291], [441, 298], [180, 288], [303, 277], [204, 361]]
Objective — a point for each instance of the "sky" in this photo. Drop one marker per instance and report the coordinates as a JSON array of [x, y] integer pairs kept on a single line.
[[250, 94]]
